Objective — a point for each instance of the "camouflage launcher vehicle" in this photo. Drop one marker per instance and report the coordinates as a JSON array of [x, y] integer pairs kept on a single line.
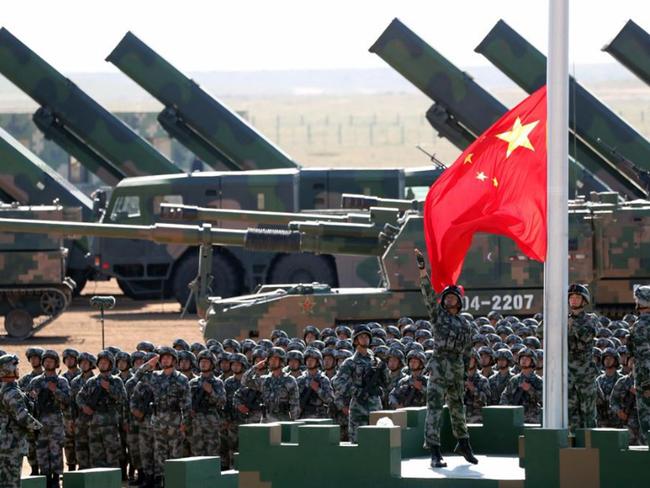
[[631, 47], [463, 110], [608, 248], [34, 289]]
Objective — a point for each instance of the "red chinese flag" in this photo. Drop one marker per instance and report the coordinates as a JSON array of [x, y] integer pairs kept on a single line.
[[497, 186]]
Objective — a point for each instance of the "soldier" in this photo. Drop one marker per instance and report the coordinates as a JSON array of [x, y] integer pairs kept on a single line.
[[411, 389], [623, 403], [243, 406], [223, 361], [208, 398], [525, 388], [34, 356], [51, 394], [477, 391], [339, 406], [87, 363], [15, 421], [486, 355], [500, 379], [452, 334], [606, 382], [329, 362], [295, 361], [279, 390], [364, 376], [141, 407], [132, 424], [639, 346], [70, 359], [314, 387], [582, 370], [103, 399], [171, 408], [123, 364], [395, 362]]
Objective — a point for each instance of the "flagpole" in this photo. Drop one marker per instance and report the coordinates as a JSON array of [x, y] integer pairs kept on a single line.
[[556, 267]]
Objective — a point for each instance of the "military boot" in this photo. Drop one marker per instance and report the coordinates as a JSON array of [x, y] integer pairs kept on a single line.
[[436, 458], [464, 449]]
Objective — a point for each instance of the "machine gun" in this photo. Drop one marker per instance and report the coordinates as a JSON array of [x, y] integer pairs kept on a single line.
[[372, 380], [631, 48], [45, 402], [200, 402], [67, 115], [306, 396], [589, 118]]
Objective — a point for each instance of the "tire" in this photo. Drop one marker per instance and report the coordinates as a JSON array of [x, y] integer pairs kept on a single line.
[[303, 268], [19, 323], [227, 278], [126, 289]]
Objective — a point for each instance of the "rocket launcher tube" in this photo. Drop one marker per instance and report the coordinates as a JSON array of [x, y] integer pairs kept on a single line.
[[631, 48]]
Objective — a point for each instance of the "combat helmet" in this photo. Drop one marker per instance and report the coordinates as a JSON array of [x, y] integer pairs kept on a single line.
[[106, 354], [70, 352], [278, 352], [86, 356], [34, 351], [238, 357], [168, 351], [51, 354], [359, 331], [578, 289], [310, 352], [527, 352], [8, 365], [642, 296], [206, 354]]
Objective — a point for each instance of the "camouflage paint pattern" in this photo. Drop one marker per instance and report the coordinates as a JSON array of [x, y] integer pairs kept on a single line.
[[592, 121], [609, 248], [463, 110], [94, 136], [631, 48], [215, 133]]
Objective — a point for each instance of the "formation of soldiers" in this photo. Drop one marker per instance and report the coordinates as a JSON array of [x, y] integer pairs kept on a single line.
[[135, 410]]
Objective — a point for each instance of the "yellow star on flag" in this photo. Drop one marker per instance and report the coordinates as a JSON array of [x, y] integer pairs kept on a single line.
[[468, 158], [481, 176], [495, 182], [518, 136]]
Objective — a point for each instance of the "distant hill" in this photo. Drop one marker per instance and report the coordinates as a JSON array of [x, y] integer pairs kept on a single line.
[[119, 93]]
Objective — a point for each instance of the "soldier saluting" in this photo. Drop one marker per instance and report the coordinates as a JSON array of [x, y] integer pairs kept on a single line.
[[452, 336]]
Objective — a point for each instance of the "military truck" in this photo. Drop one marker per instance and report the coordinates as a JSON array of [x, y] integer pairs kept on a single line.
[[34, 289], [463, 110], [608, 249], [150, 270], [631, 47]]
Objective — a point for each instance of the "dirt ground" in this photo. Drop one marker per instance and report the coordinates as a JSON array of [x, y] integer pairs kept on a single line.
[[124, 326]]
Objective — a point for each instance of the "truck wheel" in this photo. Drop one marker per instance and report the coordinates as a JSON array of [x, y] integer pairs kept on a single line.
[[303, 268], [227, 280], [126, 289], [18, 323]]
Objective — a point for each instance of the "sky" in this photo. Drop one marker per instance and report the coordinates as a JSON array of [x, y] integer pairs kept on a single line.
[[251, 35]]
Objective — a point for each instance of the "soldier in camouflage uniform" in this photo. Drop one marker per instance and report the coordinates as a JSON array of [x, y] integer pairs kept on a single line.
[[35, 357], [411, 390], [395, 363], [71, 360], [208, 398], [364, 376], [526, 388], [623, 402], [639, 346], [315, 389], [51, 394], [477, 391], [103, 399], [342, 397], [15, 422], [452, 335], [295, 363], [329, 362], [141, 407], [187, 365], [123, 365], [87, 362], [486, 355], [582, 328], [171, 407], [132, 424], [279, 390], [606, 382], [500, 379]]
